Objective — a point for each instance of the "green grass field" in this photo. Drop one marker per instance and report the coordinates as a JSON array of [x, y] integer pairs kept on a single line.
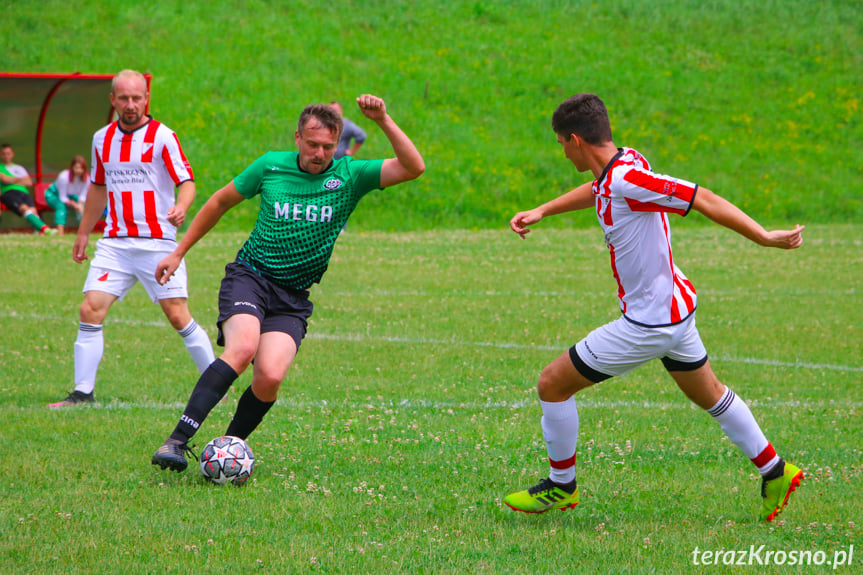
[[411, 412]]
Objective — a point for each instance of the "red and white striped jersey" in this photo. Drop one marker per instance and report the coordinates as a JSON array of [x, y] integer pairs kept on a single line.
[[632, 205], [140, 170]]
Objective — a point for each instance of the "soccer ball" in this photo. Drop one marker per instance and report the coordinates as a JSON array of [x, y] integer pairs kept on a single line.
[[227, 459]]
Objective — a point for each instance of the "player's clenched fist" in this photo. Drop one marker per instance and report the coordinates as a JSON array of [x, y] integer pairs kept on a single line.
[[372, 107]]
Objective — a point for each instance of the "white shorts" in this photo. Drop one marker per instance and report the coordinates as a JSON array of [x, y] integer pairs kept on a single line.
[[119, 263], [620, 346]]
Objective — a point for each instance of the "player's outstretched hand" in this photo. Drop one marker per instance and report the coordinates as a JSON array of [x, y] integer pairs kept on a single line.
[[372, 107], [786, 239], [167, 267], [521, 220]]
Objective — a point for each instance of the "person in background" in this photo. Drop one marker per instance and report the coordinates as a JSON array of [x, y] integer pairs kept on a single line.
[[14, 181], [352, 137], [350, 140], [69, 191]]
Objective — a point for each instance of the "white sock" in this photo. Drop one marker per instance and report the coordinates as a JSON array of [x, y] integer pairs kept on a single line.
[[198, 343], [560, 431], [89, 347], [740, 426]]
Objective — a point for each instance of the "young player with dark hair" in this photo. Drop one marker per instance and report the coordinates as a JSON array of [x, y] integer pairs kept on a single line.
[[657, 302], [305, 199]]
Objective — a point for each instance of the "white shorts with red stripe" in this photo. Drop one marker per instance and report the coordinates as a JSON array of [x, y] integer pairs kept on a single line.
[[120, 263], [620, 346]]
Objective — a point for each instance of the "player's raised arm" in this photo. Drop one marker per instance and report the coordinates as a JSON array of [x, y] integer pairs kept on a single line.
[[209, 216], [577, 199], [727, 214], [408, 163]]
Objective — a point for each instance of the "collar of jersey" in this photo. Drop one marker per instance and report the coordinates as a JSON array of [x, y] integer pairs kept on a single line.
[[609, 164], [120, 127], [300, 168]]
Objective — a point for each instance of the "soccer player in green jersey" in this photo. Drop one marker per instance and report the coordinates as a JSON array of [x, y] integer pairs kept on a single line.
[[306, 198]]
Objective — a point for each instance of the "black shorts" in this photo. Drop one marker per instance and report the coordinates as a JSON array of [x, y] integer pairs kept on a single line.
[[14, 199], [276, 307]]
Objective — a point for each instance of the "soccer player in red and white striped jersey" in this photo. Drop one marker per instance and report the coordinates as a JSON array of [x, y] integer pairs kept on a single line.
[[140, 170], [657, 304], [137, 163]]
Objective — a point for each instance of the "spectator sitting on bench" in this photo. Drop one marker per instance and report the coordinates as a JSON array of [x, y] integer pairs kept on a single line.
[[14, 194], [69, 190]]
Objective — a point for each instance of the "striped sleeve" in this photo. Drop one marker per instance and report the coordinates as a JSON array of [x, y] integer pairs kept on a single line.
[[97, 168], [645, 191], [175, 160]]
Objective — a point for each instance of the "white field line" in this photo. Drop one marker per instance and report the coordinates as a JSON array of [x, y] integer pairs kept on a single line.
[[475, 406], [458, 343], [510, 345]]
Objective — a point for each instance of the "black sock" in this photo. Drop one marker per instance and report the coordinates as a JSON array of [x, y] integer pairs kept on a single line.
[[211, 387], [777, 471], [250, 412]]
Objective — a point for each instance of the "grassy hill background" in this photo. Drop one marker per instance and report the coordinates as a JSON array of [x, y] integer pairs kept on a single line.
[[759, 100]]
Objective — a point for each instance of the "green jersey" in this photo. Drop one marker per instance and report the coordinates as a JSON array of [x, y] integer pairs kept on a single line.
[[301, 214], [6, 187]]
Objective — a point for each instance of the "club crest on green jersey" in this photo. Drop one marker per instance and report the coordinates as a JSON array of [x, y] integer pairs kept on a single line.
[[333, 184]]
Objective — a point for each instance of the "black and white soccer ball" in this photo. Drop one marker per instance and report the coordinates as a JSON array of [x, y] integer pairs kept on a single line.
[[227, 459]]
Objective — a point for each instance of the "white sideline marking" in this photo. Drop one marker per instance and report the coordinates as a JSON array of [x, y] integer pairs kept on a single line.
[[562, 348], [480, 405], [532, 402], [458, 343]]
